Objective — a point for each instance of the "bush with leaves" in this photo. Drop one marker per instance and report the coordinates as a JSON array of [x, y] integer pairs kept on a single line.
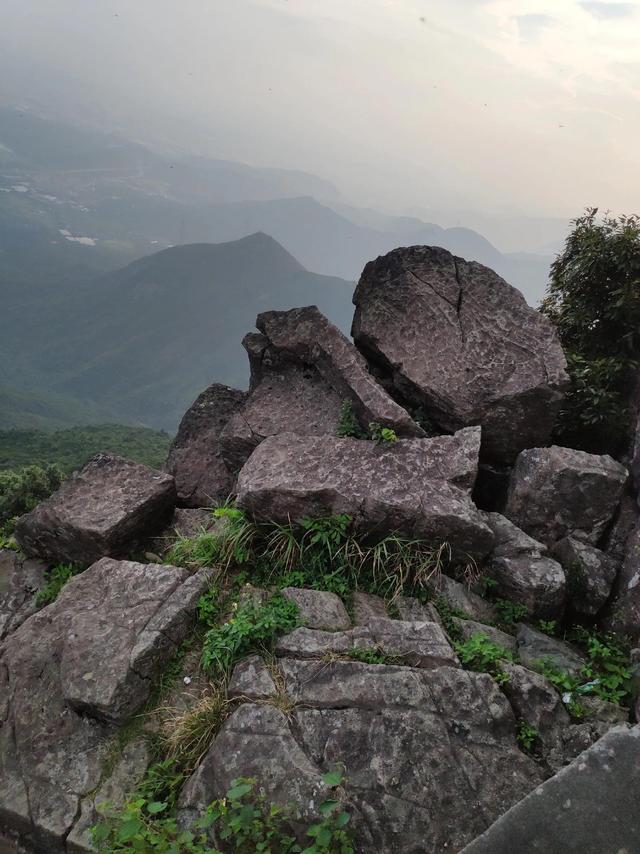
[[22, 489], [480, 653], [594, 301]]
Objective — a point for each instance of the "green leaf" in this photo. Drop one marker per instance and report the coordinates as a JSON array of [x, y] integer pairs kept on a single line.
[[332, 778], [156, 807]]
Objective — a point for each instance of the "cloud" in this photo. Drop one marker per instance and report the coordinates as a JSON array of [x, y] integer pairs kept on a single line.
[[604, 10], [531, 25]]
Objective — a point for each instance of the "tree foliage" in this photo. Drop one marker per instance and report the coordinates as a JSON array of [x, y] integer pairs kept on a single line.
[[21, 490], [594, 300]]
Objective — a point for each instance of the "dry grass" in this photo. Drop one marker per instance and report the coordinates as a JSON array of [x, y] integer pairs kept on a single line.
[[187, 734]]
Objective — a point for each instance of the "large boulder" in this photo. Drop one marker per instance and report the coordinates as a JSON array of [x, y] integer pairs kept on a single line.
[[623, 611], [429, 756], [555, 492], [418, 487], [195, 460], [456, 340], [104, 509], [20, 581], [523, 571], [590, 574], [591, 806], [302, 371], [70, 675]]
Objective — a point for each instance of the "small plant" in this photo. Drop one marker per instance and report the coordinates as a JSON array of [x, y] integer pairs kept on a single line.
[[549, 627], [527, 735], [480, 653], [56, 578], [510, 613], [447, 612], [348, 426], [373, 655], [162, 782], [187, 734], [210, 606], [607, 672], [382, 435], [252, 626], [566, 685]]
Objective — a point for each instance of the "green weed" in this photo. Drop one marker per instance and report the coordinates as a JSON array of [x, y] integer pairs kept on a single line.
[[56, 578]]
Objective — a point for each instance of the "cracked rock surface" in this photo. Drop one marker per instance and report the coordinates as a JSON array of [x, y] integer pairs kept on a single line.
[[73, 672], [453, 338]]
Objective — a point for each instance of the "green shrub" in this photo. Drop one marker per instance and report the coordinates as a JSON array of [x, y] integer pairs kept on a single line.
[[527, 735], [21, 490], [348, 425], [594, 300], [56, 578], [252, 627], [480, 653], [382, 435], [244, 822], [510, 613]]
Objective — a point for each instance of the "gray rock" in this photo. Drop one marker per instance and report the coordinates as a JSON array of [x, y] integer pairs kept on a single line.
[[318, 609], [589, 807], [455, 339], [418, 487], [523, 571], [413, 610], [367, 607], [556, 492], [307, 334], [201, 474], [469, 628], [623, 612], [68, 673], [460, 597], [126, 775], [104, 509], [590, 574], [418, 644], [534, 646], [430, 756], [20, 580], [535, 701], [251, 680]]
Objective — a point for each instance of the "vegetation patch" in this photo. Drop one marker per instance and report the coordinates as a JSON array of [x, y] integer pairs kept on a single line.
[[480, 653], [22, 489], [56, 578]]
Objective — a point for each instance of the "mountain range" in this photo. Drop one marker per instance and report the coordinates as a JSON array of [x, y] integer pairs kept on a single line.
[[127, 276]]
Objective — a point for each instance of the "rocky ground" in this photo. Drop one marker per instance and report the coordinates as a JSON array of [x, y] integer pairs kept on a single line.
[[410, 588]]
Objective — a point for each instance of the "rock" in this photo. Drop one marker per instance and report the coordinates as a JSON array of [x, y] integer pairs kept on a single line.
[[455, 339], [556, 492], [589, 807], [623, 612], [251, 680], [73, 671], [318, 609], [522, 570], [590, 574], [417, 487], [195, 460], [469, 628], [418, 644], [20, 580], [429, 757], [307, 334], [413, 610], [104, 509], [603, 711], [127, 774], [367, 607], [535, 701], [462, 599], [189, 522], [302, 371], [534, 647]]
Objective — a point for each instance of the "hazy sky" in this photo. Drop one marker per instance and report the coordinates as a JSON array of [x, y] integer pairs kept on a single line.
[[481, 104]]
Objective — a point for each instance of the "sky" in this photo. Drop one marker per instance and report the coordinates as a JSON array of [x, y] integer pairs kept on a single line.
[[490, 105]]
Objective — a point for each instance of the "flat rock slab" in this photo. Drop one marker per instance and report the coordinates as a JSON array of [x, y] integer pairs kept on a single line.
[[459, 596], [368, 607], [104, 509], [458, 341], [318, 609], [534, 647], [419, 644], [418, 487], [429, 757], [20, 580], [195, 459], [70, 674], [591, 806], [557, 492]]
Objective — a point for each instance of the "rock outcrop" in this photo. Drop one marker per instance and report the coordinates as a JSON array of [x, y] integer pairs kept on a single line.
[[106, 508], [195, 458], [590, 806], [70, 674], [419, 487], [454, 339], [20, 581], [557, 492], [522, 570], [590, 574]]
